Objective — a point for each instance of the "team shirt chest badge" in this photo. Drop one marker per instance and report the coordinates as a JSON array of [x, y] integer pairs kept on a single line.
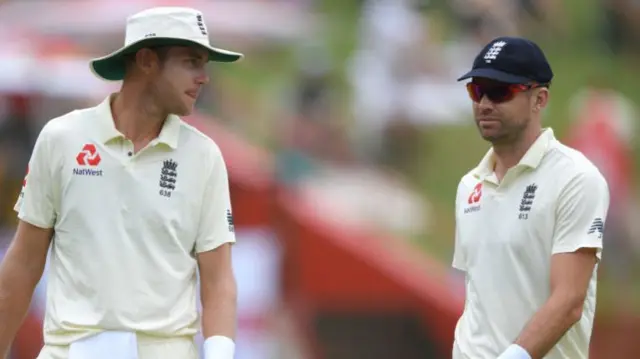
[[526, 203], [88, 162], [474, 199], [168, 178]]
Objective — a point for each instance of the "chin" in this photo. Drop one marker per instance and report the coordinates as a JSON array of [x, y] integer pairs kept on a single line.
[[490, 136], [497, 139], [492, 139]]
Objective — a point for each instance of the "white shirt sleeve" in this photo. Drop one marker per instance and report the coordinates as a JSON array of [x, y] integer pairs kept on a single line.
[[36, 202], [458, 254], [216, 217], [581, 214]]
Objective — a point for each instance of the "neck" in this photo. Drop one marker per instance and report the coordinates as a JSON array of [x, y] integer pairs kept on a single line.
[[136, 115], [508, 155]]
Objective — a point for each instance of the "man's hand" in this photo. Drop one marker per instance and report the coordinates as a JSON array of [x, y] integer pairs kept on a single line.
[[570, 276], [20, 272]]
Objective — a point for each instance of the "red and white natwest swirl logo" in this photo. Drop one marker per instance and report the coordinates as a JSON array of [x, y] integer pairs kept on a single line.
[[89, 156], [475, 196], [474, 199]]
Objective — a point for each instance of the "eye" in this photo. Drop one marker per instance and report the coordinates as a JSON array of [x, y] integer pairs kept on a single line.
[[194, 62]]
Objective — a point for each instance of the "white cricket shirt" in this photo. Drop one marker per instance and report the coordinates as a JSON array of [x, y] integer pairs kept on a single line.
[[554, 201], [127, 226]]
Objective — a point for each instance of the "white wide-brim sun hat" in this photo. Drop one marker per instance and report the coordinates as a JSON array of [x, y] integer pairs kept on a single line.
[[160, 26]]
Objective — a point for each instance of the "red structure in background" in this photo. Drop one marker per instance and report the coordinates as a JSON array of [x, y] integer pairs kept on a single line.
[[594, 133], [333, 274]]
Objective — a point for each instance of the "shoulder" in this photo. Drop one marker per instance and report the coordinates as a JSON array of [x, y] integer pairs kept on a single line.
[[570, 163], [64, 129], [466, 186], [574, 171], [199, 144], [67, 125], [468, 181]]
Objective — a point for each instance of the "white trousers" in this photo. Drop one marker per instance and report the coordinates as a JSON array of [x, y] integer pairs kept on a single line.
[[148, 348]]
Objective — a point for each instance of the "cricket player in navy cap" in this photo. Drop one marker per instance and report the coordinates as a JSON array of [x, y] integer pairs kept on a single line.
[[529, 219]]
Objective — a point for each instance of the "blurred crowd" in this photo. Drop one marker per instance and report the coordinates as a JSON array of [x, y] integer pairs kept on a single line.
[[350, 127]]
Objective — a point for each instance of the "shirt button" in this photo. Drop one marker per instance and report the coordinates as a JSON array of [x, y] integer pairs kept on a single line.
[[130, 154]]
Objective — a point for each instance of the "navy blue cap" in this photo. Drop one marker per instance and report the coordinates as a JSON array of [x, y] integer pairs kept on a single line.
[[512, 60]]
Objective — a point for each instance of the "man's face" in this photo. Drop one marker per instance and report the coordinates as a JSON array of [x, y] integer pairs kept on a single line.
[[178, 81], [504, 111]]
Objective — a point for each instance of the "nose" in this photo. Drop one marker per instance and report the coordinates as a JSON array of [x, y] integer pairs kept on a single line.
[[485, 105], [203, 78]]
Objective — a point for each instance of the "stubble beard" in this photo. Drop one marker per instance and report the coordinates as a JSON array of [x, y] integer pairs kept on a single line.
[[507, 134]]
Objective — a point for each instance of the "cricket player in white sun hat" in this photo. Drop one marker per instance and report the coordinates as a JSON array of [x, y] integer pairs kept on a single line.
[[132, 202], [529, 219]]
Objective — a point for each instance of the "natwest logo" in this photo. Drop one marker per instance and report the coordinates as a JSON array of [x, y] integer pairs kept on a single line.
[[475, 196], [474, 199], [89, 156]]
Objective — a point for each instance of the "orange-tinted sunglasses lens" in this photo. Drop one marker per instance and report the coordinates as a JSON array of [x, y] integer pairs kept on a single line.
[[495, 93]]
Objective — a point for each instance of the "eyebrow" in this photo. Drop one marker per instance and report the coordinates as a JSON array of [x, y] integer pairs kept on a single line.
[[196, 54]]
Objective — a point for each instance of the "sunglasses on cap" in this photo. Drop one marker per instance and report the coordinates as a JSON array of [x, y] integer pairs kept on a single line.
[[498, 93]]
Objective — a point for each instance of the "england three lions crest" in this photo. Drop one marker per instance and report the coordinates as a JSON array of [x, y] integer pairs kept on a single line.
[[168, 177]]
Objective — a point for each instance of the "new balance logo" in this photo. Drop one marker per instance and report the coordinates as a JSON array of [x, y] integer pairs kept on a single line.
[[230, 221], [494, 51], [597, 226]]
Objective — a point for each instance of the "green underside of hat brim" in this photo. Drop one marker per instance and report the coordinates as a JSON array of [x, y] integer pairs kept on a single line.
[[112, 67]]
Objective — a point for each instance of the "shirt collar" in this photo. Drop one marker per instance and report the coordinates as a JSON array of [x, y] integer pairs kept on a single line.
[[531, 158], [169, 134]]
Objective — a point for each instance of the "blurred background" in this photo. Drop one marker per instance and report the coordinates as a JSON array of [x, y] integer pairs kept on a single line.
[[345, 134]]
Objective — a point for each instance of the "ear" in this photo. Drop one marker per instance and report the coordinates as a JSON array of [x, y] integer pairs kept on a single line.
[[540, 99], [147, 61]]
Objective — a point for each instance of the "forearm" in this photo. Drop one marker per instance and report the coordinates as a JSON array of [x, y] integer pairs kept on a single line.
[[16, 290], [219, 310], [549, 325]]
